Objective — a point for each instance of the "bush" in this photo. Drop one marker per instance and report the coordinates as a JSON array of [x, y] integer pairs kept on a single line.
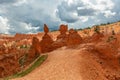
[[97, 29], [79, 29], [39, 61], [24, 46], [88, 28]]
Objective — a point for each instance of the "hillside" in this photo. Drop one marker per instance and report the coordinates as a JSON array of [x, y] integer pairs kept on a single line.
[[88, 54], [81, 63]]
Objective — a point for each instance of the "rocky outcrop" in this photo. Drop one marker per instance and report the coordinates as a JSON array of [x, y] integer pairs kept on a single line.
[[46, 29], [9, 64], [46, 41], [35, 49], [106, 50], [97, 37], [73, 38], [62, 37]]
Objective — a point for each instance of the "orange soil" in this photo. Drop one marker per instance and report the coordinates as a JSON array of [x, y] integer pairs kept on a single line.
[[72, 64]]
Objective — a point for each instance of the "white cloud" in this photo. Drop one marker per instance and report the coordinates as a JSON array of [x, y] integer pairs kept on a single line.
[[22, 27], [27, 27], [86, 8], [104, 4], [20, 2], [83, 18], [109, 13], [4, 26]]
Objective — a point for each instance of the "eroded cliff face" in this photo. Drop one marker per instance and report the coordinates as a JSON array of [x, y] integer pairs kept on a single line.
[[9, 63]]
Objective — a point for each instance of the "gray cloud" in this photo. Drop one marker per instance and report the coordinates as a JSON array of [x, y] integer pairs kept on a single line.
[[7, 1], [64, 15], [28, 16], [86, 12], [67, 12]]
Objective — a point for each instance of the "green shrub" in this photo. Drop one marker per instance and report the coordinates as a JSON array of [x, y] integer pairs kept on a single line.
[[88, 28], [79, 29], [39, 61]]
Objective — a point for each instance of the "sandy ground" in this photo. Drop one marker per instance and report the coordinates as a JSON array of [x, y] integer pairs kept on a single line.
[[68, 64]]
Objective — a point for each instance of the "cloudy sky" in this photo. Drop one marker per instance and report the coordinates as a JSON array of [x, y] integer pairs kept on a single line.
[[28, 16]]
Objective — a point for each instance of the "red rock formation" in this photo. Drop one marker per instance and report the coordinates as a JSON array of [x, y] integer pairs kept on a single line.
[[9, 64], [19, 36], [46, 41], [63, 29], [97, 37], [106, 50], [46, 30], [35, 49], [62, 37], [73, 38], [2, 49]]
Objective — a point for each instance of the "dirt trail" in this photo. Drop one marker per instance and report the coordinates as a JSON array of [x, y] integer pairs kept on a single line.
[[68, 64]]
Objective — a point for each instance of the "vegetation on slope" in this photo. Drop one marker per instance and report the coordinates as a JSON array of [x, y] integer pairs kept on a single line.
[[37, 63]]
